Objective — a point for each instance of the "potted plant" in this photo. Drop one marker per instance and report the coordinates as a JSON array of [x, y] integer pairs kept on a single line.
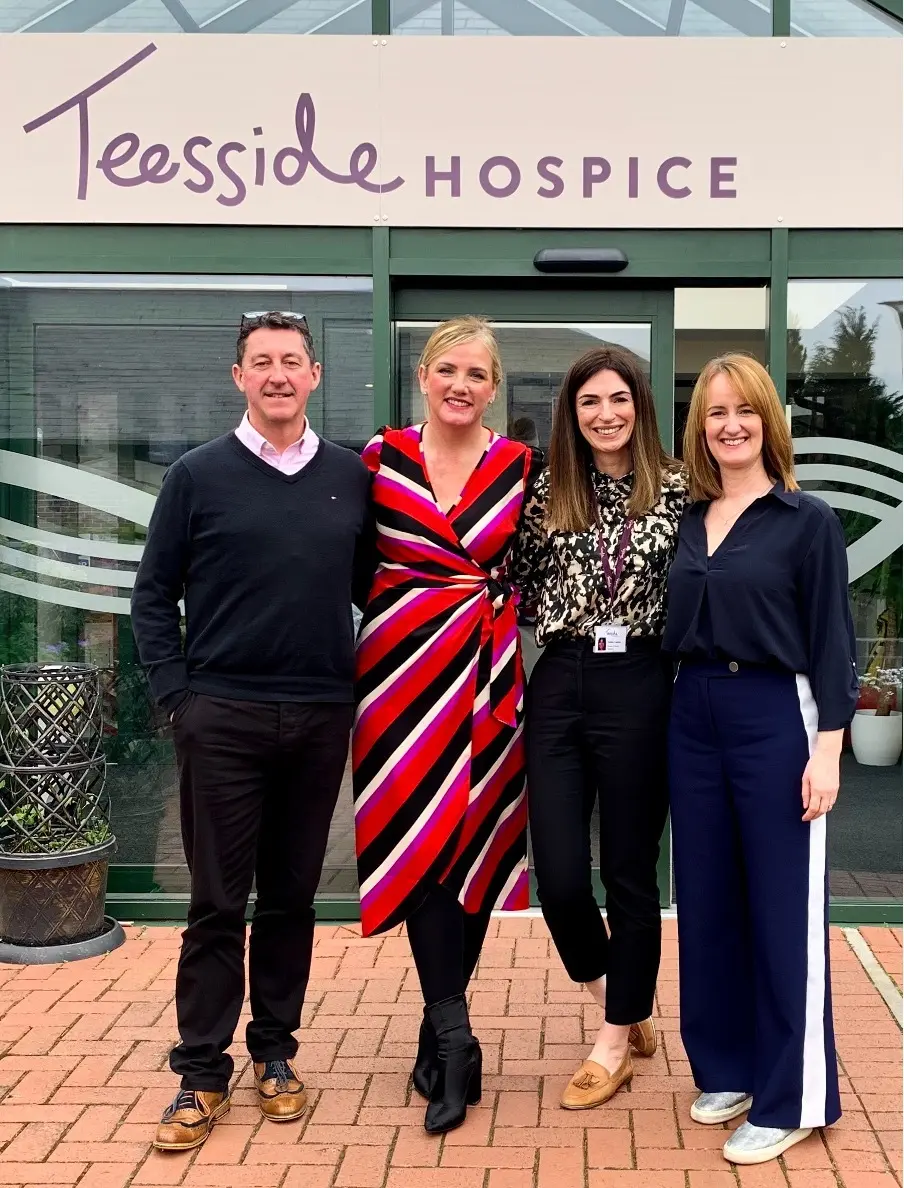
[[55, 836], [876, 735]]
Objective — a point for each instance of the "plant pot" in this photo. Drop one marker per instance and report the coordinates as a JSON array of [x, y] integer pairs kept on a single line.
[[876, 740], [55, 840], [52, 906]]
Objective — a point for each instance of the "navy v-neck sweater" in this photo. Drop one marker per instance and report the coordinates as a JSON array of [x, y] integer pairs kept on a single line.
[[264, 562]]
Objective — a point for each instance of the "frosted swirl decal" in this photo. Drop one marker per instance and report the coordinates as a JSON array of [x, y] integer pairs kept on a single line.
[[86, 489], [35, 553]]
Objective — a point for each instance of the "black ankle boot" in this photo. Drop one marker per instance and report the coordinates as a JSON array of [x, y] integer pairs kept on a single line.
[[458, 1066], [425, 1065]]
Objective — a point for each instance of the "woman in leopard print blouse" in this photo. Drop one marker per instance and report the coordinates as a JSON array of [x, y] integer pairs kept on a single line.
[[598, 536]]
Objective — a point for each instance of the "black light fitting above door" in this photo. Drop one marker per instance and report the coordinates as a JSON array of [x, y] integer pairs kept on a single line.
[[580, 260]]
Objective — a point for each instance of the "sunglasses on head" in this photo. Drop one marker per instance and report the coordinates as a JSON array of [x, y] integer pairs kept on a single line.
[[256, 314]]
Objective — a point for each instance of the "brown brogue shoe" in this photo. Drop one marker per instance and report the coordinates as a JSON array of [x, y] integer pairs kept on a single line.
[[189, 1119], [280, 1093], [642, 1038], [592, 1084]]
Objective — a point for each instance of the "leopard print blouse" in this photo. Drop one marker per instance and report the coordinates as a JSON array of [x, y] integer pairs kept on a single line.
[[562, 575]]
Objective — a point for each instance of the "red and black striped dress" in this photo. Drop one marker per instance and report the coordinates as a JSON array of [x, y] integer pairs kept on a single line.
[[438, 750]]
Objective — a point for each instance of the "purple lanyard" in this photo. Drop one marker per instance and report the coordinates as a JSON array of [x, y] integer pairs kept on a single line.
[[613, 576]]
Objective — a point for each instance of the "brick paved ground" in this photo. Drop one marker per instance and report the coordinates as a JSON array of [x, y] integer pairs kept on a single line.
[[83, 1078]]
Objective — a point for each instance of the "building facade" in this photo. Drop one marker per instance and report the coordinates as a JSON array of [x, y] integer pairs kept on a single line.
[[724, 173]]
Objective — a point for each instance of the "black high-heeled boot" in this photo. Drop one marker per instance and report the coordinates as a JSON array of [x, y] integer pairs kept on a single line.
[[459, 1064], [425, 1065]]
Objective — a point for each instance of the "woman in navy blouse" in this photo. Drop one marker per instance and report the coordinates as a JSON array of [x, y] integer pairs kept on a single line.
[[758, 616]]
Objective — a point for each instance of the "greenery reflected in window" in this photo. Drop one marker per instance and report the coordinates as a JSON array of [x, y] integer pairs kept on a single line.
[[837, 390], [844, 400]]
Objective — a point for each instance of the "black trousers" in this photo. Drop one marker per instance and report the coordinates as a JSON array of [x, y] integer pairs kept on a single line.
[[597, 729], [258, 783], [445, 943]]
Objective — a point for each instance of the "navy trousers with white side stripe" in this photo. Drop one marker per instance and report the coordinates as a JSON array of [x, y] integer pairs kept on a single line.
[[752, 893]]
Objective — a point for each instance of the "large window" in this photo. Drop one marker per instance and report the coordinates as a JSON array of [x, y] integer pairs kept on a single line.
[[104, 382], [842, 18], [144, 17], [589, 18], [844, 401], [481, 18], [710, 322], [639, 18]]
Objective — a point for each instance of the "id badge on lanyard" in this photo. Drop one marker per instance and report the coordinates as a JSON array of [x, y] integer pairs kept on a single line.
[[613, 637]]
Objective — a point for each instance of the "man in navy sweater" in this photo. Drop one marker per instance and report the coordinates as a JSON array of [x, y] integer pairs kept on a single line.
[[264, 535]]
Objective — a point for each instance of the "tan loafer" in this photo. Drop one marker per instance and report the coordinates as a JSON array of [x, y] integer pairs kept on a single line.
[[642, 1038], [189, 1119], [592, 1084], [280, 1092]]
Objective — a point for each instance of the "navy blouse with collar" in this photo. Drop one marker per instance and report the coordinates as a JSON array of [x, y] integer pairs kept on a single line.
[[774, 593]]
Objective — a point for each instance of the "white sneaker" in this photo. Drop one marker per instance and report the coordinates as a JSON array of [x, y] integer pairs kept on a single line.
[[712, 1108], [758, 1144]]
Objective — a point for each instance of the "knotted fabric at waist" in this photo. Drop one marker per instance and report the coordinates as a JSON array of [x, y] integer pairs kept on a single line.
[[499, 615]]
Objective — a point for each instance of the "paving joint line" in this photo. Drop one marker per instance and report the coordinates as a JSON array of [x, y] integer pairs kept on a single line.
[[891, 995]]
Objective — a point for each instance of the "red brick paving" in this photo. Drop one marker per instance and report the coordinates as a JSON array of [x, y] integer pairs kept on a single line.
[[84, 1077]]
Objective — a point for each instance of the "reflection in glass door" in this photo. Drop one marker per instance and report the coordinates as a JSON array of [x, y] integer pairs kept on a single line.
[[535, 357], [844, 404]]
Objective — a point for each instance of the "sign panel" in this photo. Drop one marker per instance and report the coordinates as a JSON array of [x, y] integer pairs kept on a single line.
[[451, 131]]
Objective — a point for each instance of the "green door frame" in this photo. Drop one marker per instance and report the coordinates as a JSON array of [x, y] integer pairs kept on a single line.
[[546, 304]]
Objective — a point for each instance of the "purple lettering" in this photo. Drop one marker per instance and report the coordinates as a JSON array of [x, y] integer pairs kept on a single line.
[[224, 153], [507, 188], [279, 161], [80, 101], [662, 177], [721, 173], [120, 151], [633, 180], [596, 170], [153, 165], [361, 163], [156, 168], [124, 163], [434, 175], [556, 184], [260, 160], [201, 187]]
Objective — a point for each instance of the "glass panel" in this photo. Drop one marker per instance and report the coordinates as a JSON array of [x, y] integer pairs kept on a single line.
[[190, 16], [841, 18], [710, 322], [587, 18], [844, 401], [104, 382], [535, 357]]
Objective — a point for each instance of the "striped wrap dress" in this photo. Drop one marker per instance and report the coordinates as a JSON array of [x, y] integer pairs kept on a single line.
[[437, 747]]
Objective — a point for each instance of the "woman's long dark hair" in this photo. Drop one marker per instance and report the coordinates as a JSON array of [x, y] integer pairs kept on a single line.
[[571, 506]]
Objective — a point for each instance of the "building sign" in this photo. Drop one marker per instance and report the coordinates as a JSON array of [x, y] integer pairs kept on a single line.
[[451, 131]]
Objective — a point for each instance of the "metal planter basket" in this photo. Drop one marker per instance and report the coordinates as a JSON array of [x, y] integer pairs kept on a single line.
[[55, 838]]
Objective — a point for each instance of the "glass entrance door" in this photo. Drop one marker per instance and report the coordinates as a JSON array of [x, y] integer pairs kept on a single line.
[[539, 337], [540, 333], [535, 355]]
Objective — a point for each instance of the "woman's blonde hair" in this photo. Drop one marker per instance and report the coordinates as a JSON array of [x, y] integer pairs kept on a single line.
[[572, 503], [753, 384], [457, 331]]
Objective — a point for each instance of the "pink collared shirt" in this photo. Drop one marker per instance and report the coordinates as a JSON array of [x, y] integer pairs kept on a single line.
[[293, 457]]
